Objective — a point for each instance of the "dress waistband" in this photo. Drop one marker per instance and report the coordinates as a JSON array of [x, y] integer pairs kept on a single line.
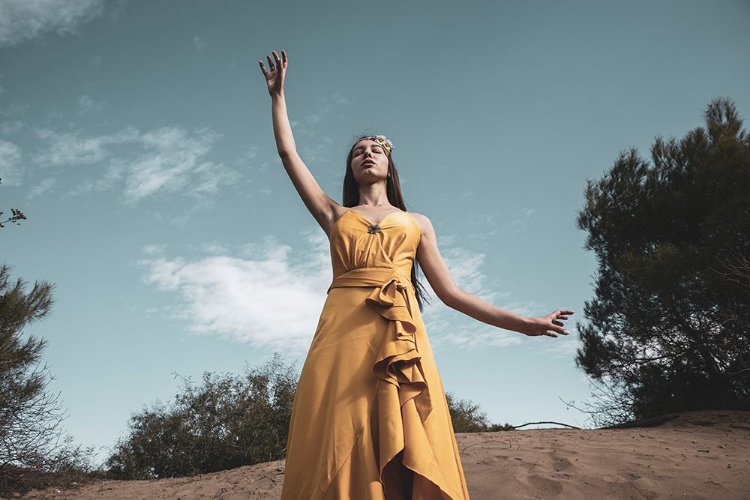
[[371, 277]]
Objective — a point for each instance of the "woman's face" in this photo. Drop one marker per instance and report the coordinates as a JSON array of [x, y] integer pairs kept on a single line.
[[369, 162]]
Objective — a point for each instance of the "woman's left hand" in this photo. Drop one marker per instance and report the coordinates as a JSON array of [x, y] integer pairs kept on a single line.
[[549, 325]]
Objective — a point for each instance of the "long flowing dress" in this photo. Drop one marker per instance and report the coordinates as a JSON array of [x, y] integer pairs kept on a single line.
[[370, 419]]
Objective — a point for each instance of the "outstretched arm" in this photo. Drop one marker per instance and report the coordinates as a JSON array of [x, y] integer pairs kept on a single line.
[[441, 281], [321, 206]]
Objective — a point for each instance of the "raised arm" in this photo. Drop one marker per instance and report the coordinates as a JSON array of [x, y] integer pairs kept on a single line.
[[441, 281], [321, 206]]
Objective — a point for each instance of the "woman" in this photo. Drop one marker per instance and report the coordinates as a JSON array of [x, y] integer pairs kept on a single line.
[[370, 419]]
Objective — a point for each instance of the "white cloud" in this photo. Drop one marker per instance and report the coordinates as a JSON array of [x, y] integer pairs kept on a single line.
[[564, 347], [465, 268], [112, 176], [87, 106], [452, 329], [174, 161], [247, 159], [166, 160], [199, 42], [22, 20], [478, 337], [10, 128], [14, 109], [153, 250], [271, 297], [522, 218], [41, 188], [10, 157], [69, 149]]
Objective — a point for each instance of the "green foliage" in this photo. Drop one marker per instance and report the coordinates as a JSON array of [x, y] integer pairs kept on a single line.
[[468, 417], [16, 216], [669, 327], [32, 446], [224, 422], [229, 421], [29, 415]]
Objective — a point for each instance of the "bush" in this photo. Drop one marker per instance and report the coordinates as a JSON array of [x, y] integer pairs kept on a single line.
[[224, 422], [468, 417], [229, 421]]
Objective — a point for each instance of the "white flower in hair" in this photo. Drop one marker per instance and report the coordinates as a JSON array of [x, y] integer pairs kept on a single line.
[[382, 141]]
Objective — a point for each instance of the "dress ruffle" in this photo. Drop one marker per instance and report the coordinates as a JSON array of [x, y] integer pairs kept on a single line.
[[403, 398], [398, 362]]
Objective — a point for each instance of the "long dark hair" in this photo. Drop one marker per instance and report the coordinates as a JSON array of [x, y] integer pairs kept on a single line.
[[395, 198]]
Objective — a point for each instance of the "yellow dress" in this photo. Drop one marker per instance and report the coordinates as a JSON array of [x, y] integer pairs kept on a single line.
[[370, 419]]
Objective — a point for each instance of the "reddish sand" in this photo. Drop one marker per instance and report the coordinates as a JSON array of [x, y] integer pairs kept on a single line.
[[701, 455]]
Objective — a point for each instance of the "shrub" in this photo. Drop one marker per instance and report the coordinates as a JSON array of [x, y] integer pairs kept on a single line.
[[224, 422]]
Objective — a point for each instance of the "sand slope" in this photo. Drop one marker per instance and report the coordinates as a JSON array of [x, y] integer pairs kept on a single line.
[[701, 455]]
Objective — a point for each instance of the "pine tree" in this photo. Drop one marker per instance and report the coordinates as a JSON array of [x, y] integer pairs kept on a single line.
[[30, 416], [669, 327]]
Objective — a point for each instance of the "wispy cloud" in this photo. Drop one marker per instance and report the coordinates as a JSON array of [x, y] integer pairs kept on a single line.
[[166, 160], [11, 127], [13, 109], [452, 329], [268, 294], [247, 159], [44, 186], [313, 147], [87, 106], [73, 150], [22, 20], [271, 295], [491, 224], [521, 218], [111, 178], [199, 42], [564, 347], [465, 267], [10, 169]]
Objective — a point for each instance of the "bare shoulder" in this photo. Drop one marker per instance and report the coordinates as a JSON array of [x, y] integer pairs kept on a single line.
[[424, 223]]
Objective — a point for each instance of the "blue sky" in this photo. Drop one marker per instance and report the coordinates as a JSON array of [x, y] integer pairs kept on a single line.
[[136, 137]]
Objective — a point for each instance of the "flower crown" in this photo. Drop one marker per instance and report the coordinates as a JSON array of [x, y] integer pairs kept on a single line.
[[381, 141]]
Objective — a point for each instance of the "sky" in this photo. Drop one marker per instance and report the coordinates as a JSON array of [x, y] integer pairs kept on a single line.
[[136, 137]]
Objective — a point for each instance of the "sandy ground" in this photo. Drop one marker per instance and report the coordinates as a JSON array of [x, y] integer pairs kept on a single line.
[[701, 455]]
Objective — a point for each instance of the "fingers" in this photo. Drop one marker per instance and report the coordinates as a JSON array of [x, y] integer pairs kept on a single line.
[[274, 64], [558, 328], [561, 314]]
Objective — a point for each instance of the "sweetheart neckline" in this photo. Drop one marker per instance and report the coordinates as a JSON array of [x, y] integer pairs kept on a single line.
[[369, 222]]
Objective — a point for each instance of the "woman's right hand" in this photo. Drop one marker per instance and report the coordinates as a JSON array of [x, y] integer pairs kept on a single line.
[[275, 73]]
